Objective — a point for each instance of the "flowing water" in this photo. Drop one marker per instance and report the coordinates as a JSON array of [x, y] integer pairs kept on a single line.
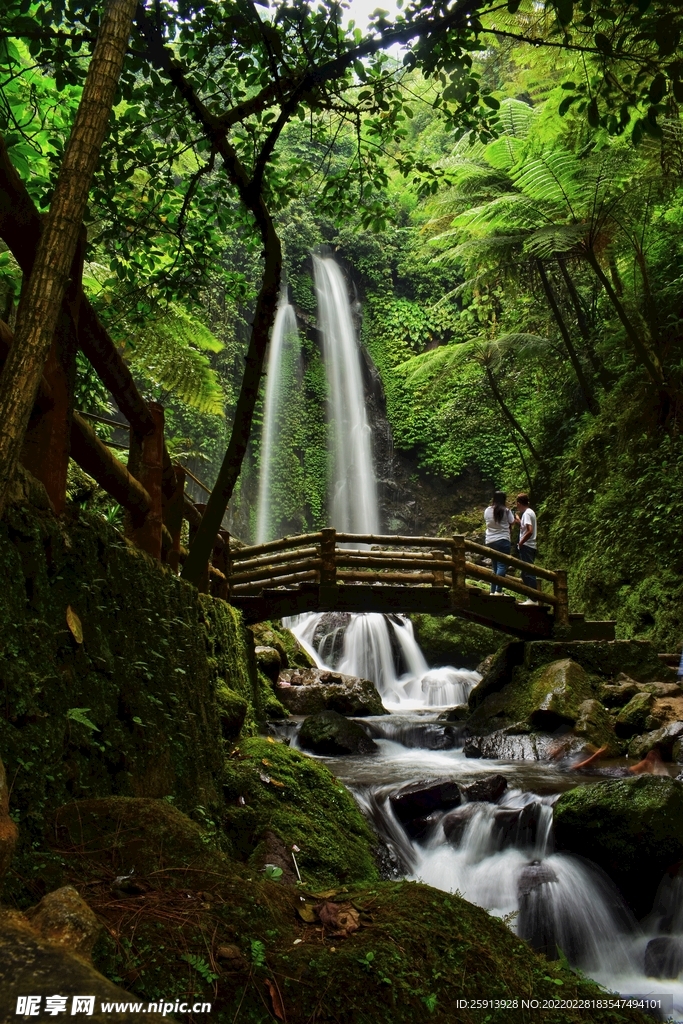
[[499, 854], [283, 359]]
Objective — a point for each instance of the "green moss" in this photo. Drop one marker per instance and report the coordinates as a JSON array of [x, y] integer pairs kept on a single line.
[[633, 828], [415, 951], [310, 809], [273, 634], [140, 708], [448, 640]]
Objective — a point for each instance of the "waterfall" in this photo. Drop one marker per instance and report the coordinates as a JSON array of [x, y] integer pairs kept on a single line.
[[354, 506], [378, 647], [283, 350]]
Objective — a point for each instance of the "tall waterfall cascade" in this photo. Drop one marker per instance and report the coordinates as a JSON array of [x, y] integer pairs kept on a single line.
[[283, 352], [377, 647]]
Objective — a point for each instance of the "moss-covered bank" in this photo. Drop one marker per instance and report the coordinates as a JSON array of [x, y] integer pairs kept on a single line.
[[146, 702]]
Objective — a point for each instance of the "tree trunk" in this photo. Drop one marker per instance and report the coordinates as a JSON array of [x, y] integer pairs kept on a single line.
[[42, 299], [651, 364], [509, 415], [606, 378], [586, 390]]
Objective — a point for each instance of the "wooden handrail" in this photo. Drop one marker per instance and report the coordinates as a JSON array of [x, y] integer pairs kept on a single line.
[[276, 545], [517, 563]]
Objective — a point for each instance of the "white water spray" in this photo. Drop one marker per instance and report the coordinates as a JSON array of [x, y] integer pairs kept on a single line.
[[284, 347]]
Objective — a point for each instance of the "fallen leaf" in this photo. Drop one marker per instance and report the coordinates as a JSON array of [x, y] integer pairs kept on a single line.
[[274, 782], [276, 999], [265, 762], [74, 624], [340, 919], [307, 913]]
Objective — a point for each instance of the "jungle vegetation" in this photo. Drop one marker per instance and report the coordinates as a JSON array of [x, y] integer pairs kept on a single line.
[[506, 194]]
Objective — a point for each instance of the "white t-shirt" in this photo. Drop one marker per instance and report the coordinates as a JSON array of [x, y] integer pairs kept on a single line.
[[497, 531], [528, 519]]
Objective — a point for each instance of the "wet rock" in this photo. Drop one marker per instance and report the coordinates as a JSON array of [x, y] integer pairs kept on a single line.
[[667, 740], [499, 672], [611, 659], [535, 923], [596, 725], [488, 790], [232, 958], [328, 733], [517, 826], [632, 828], [273, 634], [557, 690], [64, 919], [420, 828], [420, 800], [31, 965], [456, 714], [269, 661], [307, 691], [615, 695], [455, 822], [662, 689], [633, 716], [8, 829], [519, 745], [664, 957]]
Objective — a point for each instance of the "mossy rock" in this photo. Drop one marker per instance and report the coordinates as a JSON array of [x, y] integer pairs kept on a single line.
[[607, 658], [546, 699], [330, 734], [499, 672], [232, 710], [273, 634], [596, 725], [135, 834], [300, 801], [448, 640], [633, 716], [632, 828]]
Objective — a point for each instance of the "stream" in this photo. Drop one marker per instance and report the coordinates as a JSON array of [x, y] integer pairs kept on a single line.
[[501, 856]]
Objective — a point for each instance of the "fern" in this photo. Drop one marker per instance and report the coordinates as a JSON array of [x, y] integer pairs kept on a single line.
[[200, 966], [170, 352]]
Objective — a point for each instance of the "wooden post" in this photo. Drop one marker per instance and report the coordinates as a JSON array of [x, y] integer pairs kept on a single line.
[[203, 583], [459, 597], [328, 570], [173, 517], [145, 462], [562, 595], [439, 578]]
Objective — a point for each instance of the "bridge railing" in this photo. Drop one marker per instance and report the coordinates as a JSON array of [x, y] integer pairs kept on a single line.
[[330, 558]]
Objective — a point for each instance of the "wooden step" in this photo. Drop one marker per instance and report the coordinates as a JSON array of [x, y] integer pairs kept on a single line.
[[673, 660]]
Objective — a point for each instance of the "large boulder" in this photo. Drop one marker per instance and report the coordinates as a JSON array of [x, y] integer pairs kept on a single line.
[[666, 739], [556, 693], [595, 726], [274, 635], [419, 800], [632, 828], [607, 658], [328, 733], [305, 691], [633, 716], [268, 661], [30, 965], [64, 919]]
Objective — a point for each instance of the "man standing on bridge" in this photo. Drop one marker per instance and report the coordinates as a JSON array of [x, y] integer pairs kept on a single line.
[[526, 545]]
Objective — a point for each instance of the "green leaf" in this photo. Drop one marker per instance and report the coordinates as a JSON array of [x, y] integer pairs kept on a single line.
[[513, 6], [566, 104], [491, 102], [80, 715], [593, 113], [657, 88], [603, 43]]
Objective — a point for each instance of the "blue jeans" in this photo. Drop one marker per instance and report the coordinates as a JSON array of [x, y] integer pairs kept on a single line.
[[526, 554], [500, 568]]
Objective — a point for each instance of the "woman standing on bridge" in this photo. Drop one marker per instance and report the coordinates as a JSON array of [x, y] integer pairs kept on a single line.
[[498, 519]]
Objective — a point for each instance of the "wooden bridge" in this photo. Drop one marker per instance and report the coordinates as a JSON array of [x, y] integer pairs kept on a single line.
[[330, 571]]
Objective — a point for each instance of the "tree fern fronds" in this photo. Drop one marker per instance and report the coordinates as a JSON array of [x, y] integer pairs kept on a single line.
[[515, 119], [553, 239], [505, 152], [553, 179]]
